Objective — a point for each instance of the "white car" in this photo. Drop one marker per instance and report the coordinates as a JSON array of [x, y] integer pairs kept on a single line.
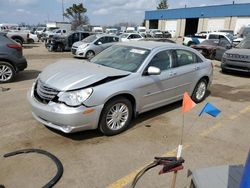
[[33, 38], [126, 37]]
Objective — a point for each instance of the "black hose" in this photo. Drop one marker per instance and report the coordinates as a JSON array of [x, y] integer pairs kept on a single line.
[[142, 172], [58, 163]]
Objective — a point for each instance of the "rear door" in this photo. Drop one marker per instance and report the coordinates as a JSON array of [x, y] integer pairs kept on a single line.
[[185, 71]]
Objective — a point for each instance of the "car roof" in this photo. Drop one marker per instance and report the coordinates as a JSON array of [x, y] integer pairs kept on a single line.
[[218, 33], [150, 45], [104, 35]]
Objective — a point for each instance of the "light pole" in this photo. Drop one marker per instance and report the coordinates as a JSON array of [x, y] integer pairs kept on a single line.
[[63, 9]]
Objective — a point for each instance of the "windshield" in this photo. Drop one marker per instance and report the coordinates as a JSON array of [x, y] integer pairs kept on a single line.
[[90, 39], [245, 44], [125, 58], [210, 42], [231, 37]]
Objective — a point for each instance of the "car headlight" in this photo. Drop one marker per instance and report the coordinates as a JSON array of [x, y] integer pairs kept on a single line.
[[83, 47], [75, 98]]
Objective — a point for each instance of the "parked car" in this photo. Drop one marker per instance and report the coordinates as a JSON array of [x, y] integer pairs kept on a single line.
[[156, 33], [93, 45], [111, 31], [202, 33], [19, 36], [64, 43], [126, 37], [213, 48], [243, 33], [11, 58], [33, 38], [158, 40], [238, 58], [123, 81], [166, 34], [193, 40]]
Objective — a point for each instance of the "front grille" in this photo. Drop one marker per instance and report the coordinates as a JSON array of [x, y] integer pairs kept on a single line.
[[73, 51], [44, 93], [237, 57]]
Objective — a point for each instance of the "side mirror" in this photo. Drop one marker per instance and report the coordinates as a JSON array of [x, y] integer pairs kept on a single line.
[[99, 43], [153, 71]]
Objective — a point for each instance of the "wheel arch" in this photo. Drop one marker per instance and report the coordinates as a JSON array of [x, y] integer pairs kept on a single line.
[[10, 62], [128, 96]]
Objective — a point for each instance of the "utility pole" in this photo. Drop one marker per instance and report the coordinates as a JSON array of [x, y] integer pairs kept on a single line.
[[63, 9]]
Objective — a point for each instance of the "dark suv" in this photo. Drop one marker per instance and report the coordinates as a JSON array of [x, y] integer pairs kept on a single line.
[[64, 43], [11, 58]]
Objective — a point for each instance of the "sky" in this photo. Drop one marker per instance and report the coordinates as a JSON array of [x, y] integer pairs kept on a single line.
[[100, 12]]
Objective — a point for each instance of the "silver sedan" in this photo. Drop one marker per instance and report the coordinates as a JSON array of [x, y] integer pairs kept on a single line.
[[123, 81]]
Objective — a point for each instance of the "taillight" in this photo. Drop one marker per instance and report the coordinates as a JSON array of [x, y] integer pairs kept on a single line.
[[15, 46]]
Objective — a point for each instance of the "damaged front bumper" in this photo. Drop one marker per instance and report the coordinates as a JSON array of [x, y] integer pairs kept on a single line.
[[64, 118]]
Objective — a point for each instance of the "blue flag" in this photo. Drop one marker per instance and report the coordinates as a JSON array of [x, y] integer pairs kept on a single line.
[[211, 110], [245, 181]]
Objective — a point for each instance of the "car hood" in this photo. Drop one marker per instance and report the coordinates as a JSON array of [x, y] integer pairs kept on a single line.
[[68, 74], [238, 51], [200, 46], [80, 43]]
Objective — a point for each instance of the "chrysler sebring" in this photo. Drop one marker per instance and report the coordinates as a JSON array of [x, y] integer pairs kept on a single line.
[[121, 82]]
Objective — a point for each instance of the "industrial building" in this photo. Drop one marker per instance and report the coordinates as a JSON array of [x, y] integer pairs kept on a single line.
[[187, 21]]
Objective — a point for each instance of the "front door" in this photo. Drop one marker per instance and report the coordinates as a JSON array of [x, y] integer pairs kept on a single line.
[[158, 90]]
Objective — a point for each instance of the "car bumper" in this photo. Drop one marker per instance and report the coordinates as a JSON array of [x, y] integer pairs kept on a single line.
[[235, 66], [64, 118], [21, 64], [78, 53]]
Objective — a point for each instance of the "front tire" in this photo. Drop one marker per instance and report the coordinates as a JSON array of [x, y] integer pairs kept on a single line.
[[116, 116], [90, 54], [200, 91], [7, 72]]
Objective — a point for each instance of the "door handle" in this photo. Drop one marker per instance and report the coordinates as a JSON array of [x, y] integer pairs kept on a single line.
[[197, 68]]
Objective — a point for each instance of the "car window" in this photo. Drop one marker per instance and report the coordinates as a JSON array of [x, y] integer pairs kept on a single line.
[[113, 39], [64, 31], [76, 37], [103, 40], [162, 60], [223, 42], [184, 57], [213, 37], [59, 31], [84, 35], [137, 36]]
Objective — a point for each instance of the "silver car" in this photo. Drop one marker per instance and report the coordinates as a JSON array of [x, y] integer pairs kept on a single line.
[[93, 45], [123, 81]]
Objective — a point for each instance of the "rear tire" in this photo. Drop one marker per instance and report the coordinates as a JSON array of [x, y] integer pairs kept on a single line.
[[200, 91], [116, 116], [60, 48], [212, 56], [7, 72]]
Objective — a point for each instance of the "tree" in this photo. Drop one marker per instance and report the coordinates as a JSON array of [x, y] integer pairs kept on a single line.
[[163, 4], [76, 14]]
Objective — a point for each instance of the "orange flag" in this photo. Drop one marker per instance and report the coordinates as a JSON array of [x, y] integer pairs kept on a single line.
[[187, 103]]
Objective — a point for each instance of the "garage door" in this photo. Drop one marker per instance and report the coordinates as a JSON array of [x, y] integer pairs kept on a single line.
[[241, 22], [215, 24], [171, 26]]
